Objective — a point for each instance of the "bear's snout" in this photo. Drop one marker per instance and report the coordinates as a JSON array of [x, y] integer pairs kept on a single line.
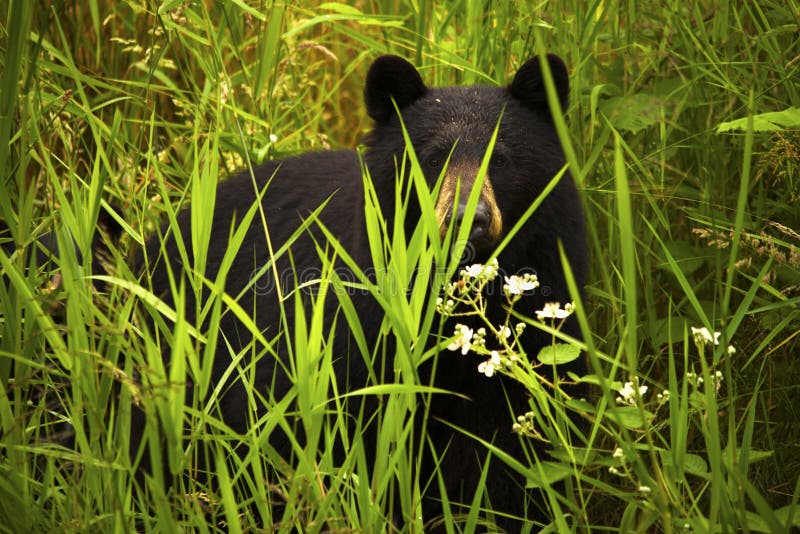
[[487, 220], [480, 235]]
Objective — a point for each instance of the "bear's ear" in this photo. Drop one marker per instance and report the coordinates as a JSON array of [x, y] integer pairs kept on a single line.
[[391, 77], [528, 85]]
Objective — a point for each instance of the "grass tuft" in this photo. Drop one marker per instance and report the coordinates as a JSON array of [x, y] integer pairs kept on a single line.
[[682, 133]]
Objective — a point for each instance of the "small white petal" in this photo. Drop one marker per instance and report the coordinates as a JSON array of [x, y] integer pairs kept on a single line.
[[473, 271], [486, 368], [552, 310]]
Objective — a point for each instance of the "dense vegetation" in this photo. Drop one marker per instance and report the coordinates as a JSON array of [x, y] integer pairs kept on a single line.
[[683, 134]]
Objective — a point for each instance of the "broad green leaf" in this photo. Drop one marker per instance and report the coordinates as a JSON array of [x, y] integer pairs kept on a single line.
[[774, 121], [668, 330], [686, 256], [756, 523], [782, 514], [558, 353], [629, 416], [696, 465], [633, 113], [547, 473], [753, 455]]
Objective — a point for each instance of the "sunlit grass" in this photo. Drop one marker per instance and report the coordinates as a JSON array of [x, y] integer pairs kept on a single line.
[[138, 109]]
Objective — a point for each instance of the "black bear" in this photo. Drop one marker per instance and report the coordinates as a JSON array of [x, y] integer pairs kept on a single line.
[[451, 126], [43, 251]]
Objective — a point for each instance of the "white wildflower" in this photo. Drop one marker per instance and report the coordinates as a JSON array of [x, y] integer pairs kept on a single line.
[[703, 337], [552, 310], [526, 425], [517, 285], [491, 270], [481, 271], [463, 340], [472, 271], [629, 393], [479, 337], [618, 453], [644, 489], [717, 380], [487, 368], [503, 332]]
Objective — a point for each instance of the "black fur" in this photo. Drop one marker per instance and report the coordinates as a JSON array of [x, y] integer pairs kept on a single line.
[[43, 253]]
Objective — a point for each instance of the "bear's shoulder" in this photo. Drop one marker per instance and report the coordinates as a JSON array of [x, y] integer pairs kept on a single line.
[[323, 170], [301, 182]]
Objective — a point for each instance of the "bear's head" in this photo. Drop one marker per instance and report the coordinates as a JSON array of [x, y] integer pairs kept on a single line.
[[453, 126]]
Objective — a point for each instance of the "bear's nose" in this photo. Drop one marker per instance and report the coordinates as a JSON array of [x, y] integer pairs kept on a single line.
[[480, 222]]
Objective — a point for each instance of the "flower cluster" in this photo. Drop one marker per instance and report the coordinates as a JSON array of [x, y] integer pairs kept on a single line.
[[487, 271], [702, 336], [553, 310], [463, 339], [630, 392], [619, 457], [525, 426], [464, 297], [467, 289], [696, 380], [622, 470], [445, 307], [516, 286], [491, 364], [717, 380]]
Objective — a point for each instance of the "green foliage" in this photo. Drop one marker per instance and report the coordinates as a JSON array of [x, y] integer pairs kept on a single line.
[[682, 133], [773, 121]]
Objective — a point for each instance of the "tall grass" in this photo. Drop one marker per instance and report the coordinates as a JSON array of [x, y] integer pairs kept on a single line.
[[682, 134]]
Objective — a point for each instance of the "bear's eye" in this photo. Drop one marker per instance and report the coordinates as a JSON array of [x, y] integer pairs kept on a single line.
[[499, 161], [434, 162]]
